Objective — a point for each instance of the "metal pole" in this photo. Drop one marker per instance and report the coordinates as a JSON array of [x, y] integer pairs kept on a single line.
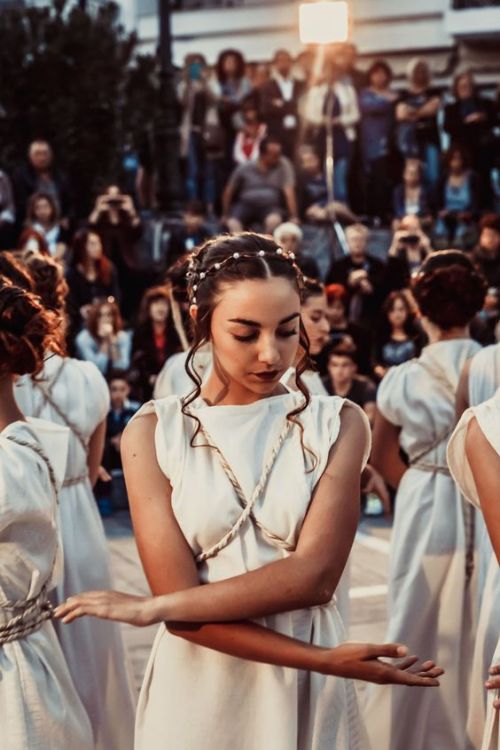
[[167, 136], [330, 173]]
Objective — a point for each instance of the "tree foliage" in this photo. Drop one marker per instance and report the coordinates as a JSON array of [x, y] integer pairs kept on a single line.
[[71, 77]]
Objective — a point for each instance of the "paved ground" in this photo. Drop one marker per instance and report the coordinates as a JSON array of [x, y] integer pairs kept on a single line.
[[369, 563]]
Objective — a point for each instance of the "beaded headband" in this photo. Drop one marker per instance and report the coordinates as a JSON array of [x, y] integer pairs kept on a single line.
[[195, 277]]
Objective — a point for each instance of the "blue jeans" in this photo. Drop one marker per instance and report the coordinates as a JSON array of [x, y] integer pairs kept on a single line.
[[340, 177], [431, 159]]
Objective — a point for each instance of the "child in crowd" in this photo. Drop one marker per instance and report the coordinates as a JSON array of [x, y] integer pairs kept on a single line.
[[110, 490], [343, 381]]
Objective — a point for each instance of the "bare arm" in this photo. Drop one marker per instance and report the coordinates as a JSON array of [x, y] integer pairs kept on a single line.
[[95, 451], [385, 451], [291, 201], [485, 466], [227, 198], [430, 108]]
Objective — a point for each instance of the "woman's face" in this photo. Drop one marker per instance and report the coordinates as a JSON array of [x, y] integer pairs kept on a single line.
[[315, 320], [420, 76], [43, 211], [336, 312], [456, 162], [230, 65], [255, 334], [398, 314], [158, 310], [94, 247], [106, 314], [289, 242], [379, 79]]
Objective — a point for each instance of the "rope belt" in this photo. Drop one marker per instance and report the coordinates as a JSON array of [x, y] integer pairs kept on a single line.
[[430, 467], [71, 481], [28, 616]]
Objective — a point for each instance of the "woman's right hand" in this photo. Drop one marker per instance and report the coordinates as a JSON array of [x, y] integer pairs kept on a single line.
[[362, 661]]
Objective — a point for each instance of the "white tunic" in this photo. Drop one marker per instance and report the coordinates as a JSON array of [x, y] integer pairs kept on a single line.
[[430, 596], [483, 726], [39, 706], [173, 379], [93, 648], [194, 697]]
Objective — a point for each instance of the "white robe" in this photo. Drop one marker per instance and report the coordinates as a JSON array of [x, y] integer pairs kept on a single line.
[[93, 648], [483, 726], [39, 706], [430, 598]]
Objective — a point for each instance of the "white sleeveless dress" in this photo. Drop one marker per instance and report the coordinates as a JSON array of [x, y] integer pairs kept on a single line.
[[39, 706], [483, 727], [194, 697], [93, 648], [430, 593]]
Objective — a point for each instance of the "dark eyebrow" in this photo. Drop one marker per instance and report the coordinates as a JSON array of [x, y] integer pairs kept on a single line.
[[254, 324]]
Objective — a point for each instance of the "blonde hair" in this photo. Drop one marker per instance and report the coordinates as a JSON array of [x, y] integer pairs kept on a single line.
[[288, 227]]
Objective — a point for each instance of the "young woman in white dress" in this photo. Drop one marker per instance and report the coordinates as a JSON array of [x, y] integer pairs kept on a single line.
[[431, 591], [253, 491], [39, 706], [75, 394], [474, 460]]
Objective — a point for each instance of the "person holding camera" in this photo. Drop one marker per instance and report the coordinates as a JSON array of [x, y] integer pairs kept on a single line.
[[117, 223], [409, 248]]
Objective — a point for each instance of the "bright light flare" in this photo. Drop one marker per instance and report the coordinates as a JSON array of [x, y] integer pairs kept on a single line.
[[323, 22]]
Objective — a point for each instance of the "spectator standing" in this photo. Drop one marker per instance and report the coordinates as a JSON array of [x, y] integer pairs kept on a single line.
[[7, 212], [469, 120], [192, 231], [91, 276], [117, 223], [250, 136], [230, 87], [43, 217], [411, 197], [362, 275], [377, 108], [457, 200], [408, 250], [40, 175], [279, 101], [103, 341], [486, 254], [345, 57], [396, 339], [261, 192], [153, 341], [334, 101], [416, 113], [484, 327]]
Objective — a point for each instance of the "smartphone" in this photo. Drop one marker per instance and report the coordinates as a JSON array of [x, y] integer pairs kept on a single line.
[[195, 71]]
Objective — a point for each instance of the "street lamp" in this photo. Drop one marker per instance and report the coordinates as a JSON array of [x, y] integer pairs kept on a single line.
[[326, 22]]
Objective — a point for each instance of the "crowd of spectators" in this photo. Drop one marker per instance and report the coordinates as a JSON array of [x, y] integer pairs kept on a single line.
[[419, 163]]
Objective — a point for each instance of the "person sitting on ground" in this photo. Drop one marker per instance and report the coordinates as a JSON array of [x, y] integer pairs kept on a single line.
[[91, 276], [457, 200], [249, 137], [486, 254], [411, 197], [109, 490], [43, 217], [103, 341], [190, 233], [362, 275], [342, 379], [40, 175], [484, 327], [290, 236], [154, 340], [342, 329], [262, 192], [408, 249], [396, 340], [118, 224]]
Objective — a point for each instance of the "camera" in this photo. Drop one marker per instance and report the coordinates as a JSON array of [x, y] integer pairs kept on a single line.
[[410, 239]]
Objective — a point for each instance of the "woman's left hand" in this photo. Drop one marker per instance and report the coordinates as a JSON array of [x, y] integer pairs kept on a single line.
[[493, 683], [108, 605]]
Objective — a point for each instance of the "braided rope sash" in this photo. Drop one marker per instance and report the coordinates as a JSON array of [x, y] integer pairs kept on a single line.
[[27, 615], [247, 505]]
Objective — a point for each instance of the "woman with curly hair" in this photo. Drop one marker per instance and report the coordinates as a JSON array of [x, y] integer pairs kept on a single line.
[[253, 491], [39, 705], [74, 394], [431, 568]]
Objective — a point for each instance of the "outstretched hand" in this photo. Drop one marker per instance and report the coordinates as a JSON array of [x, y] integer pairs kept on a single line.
[[108, 605], [362, 661]]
